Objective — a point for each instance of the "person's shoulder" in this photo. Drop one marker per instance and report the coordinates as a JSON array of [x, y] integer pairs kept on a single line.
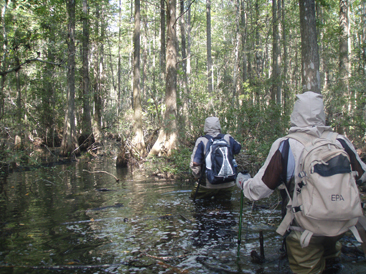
[[279, 141]]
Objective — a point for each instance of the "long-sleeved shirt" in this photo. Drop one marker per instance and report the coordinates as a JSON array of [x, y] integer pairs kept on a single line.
[[282, 163]]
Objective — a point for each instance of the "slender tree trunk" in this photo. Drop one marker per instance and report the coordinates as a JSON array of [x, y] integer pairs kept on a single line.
[[138, 139], [119, 57], [144, 78], [236, 53], [48, 97], [184, 64], [364, 36], [276, 95], [86, 123], [309, 47], [4, 59], [97, 83], [286, 91], [344, 63], [243, 30], [189, 29], [162, 37], [209, 57], [69, 141], [167, 139]]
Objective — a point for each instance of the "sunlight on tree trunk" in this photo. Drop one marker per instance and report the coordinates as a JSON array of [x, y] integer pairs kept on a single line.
[[138, 140], [167, 139], [98, 70]]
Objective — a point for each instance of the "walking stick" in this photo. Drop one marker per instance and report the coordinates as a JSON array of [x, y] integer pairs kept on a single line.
[[240, 222]]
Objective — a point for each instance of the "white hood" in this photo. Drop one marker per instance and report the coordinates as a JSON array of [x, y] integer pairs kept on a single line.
[[212, 126], [308, 114]]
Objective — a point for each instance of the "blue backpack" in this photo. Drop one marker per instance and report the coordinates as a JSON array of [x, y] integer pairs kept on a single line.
[[221, 166]]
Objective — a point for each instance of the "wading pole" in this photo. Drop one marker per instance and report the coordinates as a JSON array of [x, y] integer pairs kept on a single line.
[[240, 222]]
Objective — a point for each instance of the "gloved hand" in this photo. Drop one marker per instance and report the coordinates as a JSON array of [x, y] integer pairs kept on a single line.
[[241, 178]]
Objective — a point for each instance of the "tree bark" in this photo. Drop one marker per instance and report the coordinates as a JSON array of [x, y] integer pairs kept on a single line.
[[162, 37], [286, 92], [3, 58], [69, 141], [209, 57], [119, 57], [184, 64], [138, 140], [167, 139], [344, 64], [243, 30], [276, 54], [236, 53], [309, 47], [86, 122], [98, 71]]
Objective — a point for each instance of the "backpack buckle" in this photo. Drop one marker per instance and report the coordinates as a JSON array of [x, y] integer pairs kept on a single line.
[[296, 209], [302, 174]]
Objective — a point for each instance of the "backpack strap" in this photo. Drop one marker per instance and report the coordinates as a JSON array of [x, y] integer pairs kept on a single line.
[[330, 135], [302, 137], [287, 220]]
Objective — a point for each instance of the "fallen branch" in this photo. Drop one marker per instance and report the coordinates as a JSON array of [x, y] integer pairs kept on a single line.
[[101, 171]]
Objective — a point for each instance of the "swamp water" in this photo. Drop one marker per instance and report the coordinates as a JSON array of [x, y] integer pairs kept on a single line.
[[65, 219]]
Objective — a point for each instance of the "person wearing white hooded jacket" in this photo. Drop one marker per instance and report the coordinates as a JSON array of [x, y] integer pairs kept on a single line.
[[280, 166]]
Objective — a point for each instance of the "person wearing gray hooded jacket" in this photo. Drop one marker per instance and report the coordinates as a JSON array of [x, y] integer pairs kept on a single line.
[[280, 166], [212, 128]]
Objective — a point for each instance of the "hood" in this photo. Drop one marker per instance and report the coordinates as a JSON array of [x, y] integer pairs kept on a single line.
[[308, 114], [212, 126]]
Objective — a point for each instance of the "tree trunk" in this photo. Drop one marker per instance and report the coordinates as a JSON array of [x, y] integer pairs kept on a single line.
[[138, 140], [344, 64], [286, 92], [236, 53], [119, 57], [86, 122], [162, 37], [364, 36], [3, 59], [209, 58], [243, 30], [69, 141], [98, 70], [184, 65], [189, 28], [276, 54], [167, 139], [309, 47]]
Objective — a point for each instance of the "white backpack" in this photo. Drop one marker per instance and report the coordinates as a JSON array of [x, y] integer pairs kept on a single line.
[[325, 199]]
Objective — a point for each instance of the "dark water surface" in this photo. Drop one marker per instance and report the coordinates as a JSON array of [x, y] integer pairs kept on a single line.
[[64, 219]]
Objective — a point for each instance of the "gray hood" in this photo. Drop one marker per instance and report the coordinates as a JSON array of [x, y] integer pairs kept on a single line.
[[212, 126], [308, 114]]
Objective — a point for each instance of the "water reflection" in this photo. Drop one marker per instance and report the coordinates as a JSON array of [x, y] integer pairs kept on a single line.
[[63, 218]]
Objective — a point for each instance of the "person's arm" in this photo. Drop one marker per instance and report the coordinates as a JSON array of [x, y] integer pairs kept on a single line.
[[236, 146], [197, 158], [268, 177], [356, 163]]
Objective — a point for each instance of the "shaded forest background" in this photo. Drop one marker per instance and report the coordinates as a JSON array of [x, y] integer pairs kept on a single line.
[[78, 72]]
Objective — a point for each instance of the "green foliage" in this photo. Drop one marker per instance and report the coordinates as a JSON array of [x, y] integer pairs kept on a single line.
[[180, 159]]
